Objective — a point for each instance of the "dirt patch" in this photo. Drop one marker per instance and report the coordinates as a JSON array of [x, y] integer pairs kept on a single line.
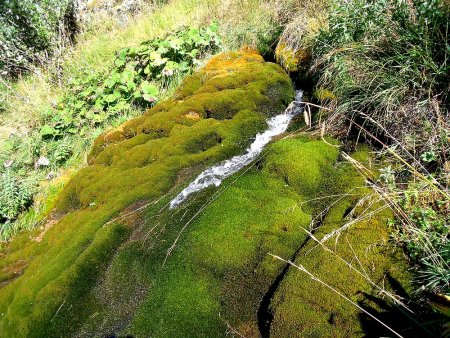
[[12, 271], [52, 219], [192, 115]]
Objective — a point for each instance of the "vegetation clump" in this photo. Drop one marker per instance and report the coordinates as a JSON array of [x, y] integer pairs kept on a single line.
[[31, 30], [136, 79], [294, 47], [15, 196], [386, 63]]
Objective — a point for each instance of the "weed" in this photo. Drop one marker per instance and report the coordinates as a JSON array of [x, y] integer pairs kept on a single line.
[[386, 63], [15, 196], [135, 80], [30, 31]]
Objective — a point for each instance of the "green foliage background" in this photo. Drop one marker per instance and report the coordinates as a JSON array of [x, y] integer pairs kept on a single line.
[[29, 29]]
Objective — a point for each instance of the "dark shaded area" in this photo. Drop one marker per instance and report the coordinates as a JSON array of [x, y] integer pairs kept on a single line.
[[396, 317], [265, 313], [267, 43]]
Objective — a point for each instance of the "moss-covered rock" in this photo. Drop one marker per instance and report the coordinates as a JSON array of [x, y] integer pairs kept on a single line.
[[294, 48], [143, 160], [203, 269], [352, 233], [220, 276], [219, 270], [292, 60]]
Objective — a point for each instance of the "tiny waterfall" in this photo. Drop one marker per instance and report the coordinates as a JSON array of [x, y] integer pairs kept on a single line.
[[216, 174]]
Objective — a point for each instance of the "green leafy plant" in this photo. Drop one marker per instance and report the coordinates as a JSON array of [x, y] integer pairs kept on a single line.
[[428, 156], [138, 75], [425, 236], [15, 196], [63, 151], [387, 176]]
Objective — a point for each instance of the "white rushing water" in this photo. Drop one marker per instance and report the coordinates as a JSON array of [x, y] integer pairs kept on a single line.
[[216, 174]]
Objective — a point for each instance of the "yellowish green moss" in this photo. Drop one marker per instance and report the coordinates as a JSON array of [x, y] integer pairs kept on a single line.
[[295, 45], [220, 269], [291, 60], [305, 308], [322, 94]]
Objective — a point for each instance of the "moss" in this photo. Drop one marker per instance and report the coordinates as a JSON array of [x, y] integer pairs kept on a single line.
[[322, 94], [291, 60], [88, 277], [292, 162], [220, 269], [221, 263], [295, 46], [142, 160], [303, 307]]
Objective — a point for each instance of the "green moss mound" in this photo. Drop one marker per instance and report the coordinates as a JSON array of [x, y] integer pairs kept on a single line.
[[219, 277], [353, 231], [219, 270], [47, 281]]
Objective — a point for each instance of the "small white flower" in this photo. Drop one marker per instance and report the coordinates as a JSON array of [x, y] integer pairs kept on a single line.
[[8, 163], [167, 72], [42, 162]]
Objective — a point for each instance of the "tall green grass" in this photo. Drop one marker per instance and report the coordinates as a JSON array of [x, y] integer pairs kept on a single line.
[[387, 62]]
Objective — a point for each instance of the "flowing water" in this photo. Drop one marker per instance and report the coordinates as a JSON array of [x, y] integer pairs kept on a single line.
[[216, 174]]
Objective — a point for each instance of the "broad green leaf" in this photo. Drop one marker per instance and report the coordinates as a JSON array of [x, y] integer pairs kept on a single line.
[[127, 76], [131, 85], [156, 58], [132, 52], [47, 131], [122, 54], [193, 53], [79, 104], [162, 50], [147, 70], [214, 27], [119, 62], [149, 91], [175, 43], [117, 94], [149, 88], [110, 98]]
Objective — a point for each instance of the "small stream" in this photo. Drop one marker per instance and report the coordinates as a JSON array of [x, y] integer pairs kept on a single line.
[[216, 174]]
